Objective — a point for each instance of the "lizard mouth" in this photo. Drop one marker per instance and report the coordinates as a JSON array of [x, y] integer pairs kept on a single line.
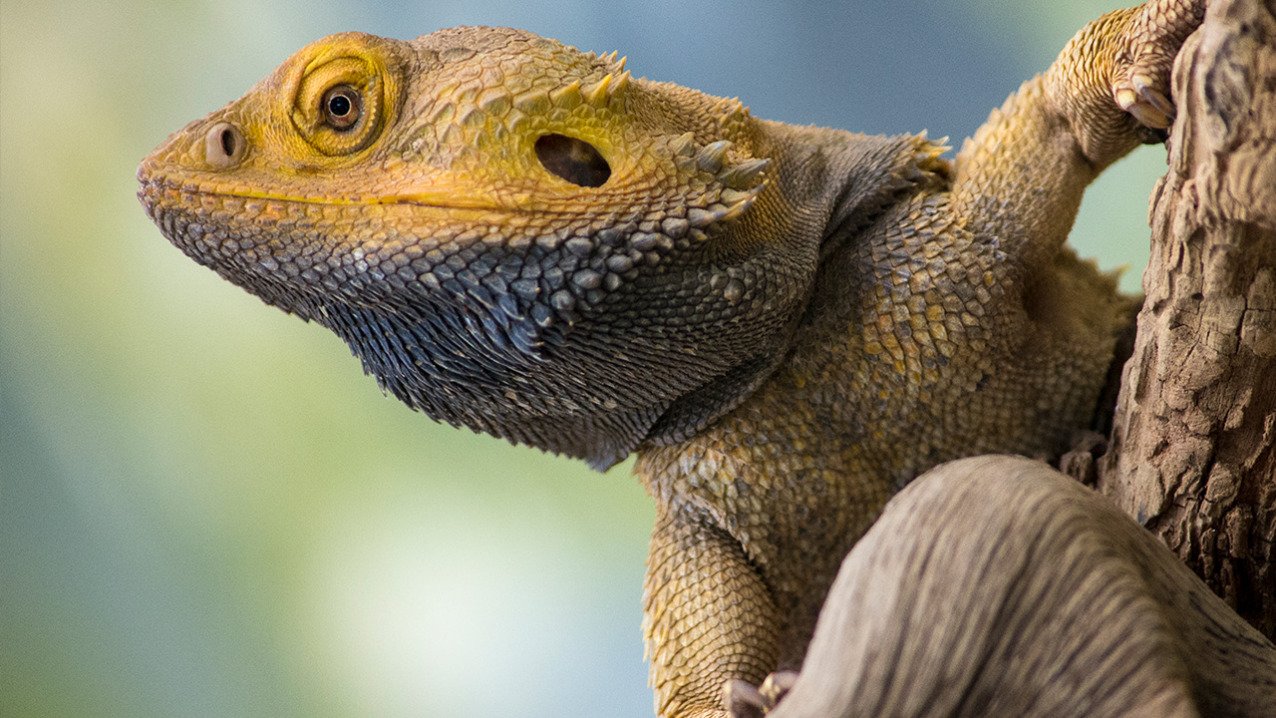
[[158, 186]]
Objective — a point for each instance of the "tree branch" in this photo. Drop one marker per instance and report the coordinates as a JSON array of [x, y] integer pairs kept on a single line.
[[1191, 455], [998, 586]]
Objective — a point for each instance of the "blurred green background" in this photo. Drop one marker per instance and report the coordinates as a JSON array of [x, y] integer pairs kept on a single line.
[[205, 509]]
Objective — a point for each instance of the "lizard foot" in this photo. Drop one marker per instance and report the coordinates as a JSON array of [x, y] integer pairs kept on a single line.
[[744, 700], [1153, 38]]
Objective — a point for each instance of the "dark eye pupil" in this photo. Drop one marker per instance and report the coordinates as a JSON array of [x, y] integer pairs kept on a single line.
[[339, 106], [342, 107]]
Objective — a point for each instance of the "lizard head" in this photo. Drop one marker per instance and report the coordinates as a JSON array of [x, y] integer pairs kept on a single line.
[[512, 235]]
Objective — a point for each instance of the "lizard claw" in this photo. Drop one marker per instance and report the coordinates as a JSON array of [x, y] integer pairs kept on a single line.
[[1154, 38], [1145, 102], [1140, 97], [743, 700]]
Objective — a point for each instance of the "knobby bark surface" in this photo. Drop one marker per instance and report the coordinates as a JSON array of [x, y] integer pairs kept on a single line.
[[1192, 453]]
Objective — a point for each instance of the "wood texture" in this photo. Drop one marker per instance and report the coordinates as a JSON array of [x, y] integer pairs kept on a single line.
[[1192, 453], [998, 586]]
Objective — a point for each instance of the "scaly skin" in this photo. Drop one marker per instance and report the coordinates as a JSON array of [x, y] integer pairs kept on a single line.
[[786, 323]]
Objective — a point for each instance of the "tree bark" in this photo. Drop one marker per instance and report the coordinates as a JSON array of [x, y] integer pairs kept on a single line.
[[1191, 455]]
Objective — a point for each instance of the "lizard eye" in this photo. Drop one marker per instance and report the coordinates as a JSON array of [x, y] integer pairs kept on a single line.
[[342, 107], [574, 160]]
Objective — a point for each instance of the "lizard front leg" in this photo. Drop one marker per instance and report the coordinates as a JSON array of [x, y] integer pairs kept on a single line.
[[1020, 178], [708, 617]]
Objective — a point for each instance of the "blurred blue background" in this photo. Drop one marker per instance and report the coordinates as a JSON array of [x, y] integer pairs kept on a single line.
[[206, 510]]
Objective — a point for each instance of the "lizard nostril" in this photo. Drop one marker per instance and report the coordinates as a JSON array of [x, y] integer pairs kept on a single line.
[[224, 145]]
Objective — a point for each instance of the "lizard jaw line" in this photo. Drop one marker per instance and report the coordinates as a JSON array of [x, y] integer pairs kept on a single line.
[[440, 201], [353, 201]]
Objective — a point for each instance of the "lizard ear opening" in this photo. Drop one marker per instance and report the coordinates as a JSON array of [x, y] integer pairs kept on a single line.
[[574, 160]]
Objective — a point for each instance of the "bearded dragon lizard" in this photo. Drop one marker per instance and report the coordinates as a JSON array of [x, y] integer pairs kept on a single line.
[[785, 323]]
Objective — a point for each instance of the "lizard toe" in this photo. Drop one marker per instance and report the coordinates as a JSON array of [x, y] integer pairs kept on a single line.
[[744, 700], [1145, 102], [1153, 39]]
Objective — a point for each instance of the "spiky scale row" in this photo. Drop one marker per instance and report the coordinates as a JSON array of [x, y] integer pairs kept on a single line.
[[600, 94], [711, 156], [684, 145], [745, 175]]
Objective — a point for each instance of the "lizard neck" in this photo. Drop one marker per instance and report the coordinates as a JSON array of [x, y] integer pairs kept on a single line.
[[806, 419], [829, 184]]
